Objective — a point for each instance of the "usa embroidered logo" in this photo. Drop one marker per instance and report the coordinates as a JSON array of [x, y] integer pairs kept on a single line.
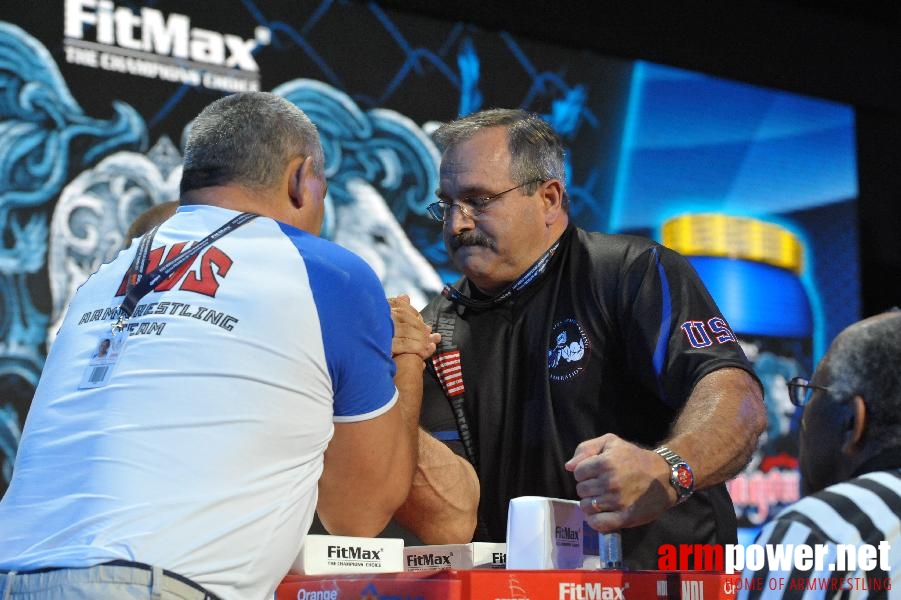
[[450, 372]]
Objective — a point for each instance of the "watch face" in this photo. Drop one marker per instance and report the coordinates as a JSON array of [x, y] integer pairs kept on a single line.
[[684, 476]]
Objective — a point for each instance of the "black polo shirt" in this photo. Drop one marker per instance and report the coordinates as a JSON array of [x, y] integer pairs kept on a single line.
[[611, 337]]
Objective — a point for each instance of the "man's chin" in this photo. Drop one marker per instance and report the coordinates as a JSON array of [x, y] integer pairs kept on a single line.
[[475, 265]]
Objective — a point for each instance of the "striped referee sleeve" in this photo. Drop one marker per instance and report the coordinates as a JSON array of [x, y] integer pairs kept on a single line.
[[865, 510]]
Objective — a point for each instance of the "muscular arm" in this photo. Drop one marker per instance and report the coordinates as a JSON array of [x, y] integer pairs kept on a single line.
[[444, 498], [716, 433], [369, 464], [718, 429]]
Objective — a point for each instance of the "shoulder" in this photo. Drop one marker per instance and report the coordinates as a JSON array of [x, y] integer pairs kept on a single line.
[[324, 257], [839, 512], [632, 256], [596, 239], [891, 480], [876, 482], [616, 246]]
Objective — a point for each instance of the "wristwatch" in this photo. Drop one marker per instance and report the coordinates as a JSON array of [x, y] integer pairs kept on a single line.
[[681, 477]]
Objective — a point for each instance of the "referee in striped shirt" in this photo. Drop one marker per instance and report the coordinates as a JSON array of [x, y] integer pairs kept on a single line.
[[850, 458]]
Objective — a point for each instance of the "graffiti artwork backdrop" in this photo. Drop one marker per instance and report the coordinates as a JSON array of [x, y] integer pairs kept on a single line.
[[757, 187]]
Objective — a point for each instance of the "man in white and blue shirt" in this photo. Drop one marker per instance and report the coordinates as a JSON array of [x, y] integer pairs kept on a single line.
[[251, 383]]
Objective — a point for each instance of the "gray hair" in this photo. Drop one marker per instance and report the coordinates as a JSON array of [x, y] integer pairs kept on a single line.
[[248, 139], [865, 360], [536, 151]]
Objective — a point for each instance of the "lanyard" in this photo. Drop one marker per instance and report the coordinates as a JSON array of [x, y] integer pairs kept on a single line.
[[537, 268], [457, 401], [139, 285]]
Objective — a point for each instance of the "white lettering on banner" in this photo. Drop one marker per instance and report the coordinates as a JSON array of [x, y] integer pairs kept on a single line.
[[693, 590], [590, 591], [303, 594], [158, 46], [804, 557]]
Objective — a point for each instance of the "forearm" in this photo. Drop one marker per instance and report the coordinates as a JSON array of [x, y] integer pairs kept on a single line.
[[412, 344], [719, 427], [408, 381], [382, 477], [624, 485], [442, 506]]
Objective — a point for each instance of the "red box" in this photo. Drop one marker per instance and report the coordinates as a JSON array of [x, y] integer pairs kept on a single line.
[[425, 585], [567, 585], [499, 584]]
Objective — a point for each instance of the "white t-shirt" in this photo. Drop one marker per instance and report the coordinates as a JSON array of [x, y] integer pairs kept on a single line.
[[203, 451]]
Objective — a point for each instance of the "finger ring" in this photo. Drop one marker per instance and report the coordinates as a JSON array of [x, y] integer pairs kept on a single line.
[[594, 504]]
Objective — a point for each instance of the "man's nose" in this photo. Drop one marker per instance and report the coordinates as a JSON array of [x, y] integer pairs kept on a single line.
[[458, 220]]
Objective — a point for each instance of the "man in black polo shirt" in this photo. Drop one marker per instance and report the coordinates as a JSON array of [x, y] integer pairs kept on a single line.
[[572, 364]]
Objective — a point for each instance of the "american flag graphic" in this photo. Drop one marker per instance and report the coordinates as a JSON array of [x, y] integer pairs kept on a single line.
[[450, 374]]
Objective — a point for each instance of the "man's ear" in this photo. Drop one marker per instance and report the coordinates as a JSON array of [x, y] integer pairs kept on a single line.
[[298, 169], [552, 196], [852, 440]]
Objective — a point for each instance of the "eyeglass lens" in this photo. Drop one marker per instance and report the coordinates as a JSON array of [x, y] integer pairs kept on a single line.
[[800, 390], [799, 393], [441, 209]]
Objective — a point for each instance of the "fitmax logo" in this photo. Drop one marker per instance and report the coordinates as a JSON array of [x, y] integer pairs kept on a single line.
[[567, 533], [353, 552], [428, 560], [152, 31], [591, 591]]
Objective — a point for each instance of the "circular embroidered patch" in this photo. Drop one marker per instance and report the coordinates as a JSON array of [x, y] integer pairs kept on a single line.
[[568, 352]]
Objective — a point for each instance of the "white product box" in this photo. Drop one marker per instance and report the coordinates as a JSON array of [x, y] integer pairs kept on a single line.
[[474, 555], [549, 533], [323, 554]]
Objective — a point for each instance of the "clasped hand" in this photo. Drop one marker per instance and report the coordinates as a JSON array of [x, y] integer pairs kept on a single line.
[[411, 334]]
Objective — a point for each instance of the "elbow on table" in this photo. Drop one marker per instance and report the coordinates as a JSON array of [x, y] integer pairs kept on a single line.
[[363, 521]]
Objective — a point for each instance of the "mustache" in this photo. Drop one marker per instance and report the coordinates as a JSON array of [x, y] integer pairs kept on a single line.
[[469, 238]]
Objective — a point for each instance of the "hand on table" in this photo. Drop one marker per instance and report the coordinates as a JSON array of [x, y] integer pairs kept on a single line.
[[620, 484]]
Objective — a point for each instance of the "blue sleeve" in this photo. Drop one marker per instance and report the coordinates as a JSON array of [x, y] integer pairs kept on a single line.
[[675, 333], [356, 326]]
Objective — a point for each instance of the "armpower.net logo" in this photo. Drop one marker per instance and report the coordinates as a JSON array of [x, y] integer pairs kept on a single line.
[[777, 561]]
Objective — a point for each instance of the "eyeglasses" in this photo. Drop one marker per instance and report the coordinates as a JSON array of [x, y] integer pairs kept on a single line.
[[800, 390], [471, 206]]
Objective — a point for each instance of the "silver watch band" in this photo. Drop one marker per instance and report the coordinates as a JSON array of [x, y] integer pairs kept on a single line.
[[681, 475]]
